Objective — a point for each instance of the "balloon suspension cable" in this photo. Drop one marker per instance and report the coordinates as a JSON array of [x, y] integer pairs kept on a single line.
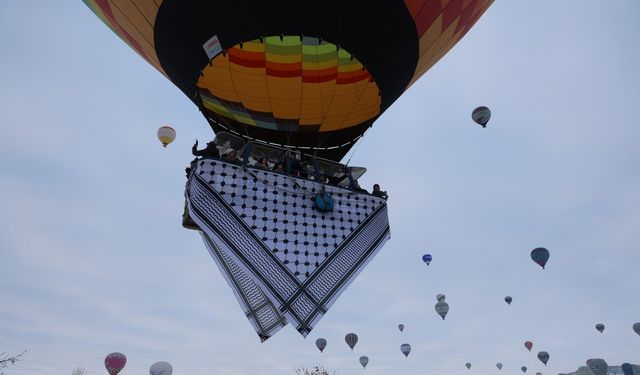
[[358, 143]]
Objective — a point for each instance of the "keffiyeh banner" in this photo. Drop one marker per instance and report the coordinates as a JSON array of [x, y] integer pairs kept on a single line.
[[284, 260]]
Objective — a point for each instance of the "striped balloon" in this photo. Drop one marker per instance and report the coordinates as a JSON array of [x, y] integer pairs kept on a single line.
[[166, 135], [351, 339]]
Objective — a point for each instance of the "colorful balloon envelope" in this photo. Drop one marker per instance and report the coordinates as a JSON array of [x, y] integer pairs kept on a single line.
[[598, 366], [540, 255], [166, 135], [405, 349], [524, 369], [161, 368], [600, 327], [442, 308], [115, 362], [401, 327], [364, 360], [468, 365], [351, 339], [427, 258], [528, 345], [508, 299], [499, 365], [481, 115], [321, 344], [543, 357]]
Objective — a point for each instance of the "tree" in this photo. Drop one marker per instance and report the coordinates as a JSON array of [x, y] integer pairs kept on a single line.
[[79, 371], [316, 370], [7, 359]]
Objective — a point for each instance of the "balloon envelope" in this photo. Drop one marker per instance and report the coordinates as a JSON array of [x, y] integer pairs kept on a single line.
[[600, 327], [598, 366], [499, 365], [441, 297], [543, 357], [636, 327], [321, 344], [481, 115], [351, 339], [115, 362], [442, 308], [528, 345], [627, 369], [427, 258], [401, 327], [364, 360], [524, 369], [508, 299], [161, 368], [166, 135], [468, 365], [405, 349], [540, 255]]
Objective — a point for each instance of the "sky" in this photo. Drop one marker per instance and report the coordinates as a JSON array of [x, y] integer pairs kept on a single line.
[[93, 259]]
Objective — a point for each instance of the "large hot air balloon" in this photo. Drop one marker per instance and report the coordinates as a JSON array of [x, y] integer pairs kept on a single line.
[[427, 258], [627, 369], [321, 344], [405, 349], [481, 115], [468, 365], [115, 362], [636, 328], [441, 297], [499, 365], [161, 368], [401, 327], [351, 339], [528, 345], [508, 299], [364, 360], [166, 135], [297, 83], [598, 366], [540, 255], [524, 369], [442, 308], [543, 357], [600, 327]]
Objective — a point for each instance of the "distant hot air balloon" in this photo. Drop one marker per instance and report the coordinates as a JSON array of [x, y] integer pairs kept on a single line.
[[524, 369], [528, 345], [115, 362], [405, 349], [161, 368], [401, 327], [499, 365], [481, 115], [540, 255], [321, 344], [627, 369], [166, 135], [636, 327], [468, 365], [583, 370], [598, 366], [538, 373], [351, 339], [441, 297], [508, 299], [364, 360], [427, 258], [543, 357], [442, 308], [600, 327]]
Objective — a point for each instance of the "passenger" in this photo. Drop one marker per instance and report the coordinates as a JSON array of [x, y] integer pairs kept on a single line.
[[210, 151], [279, 168], [356, 187], [230, 156], [379, 193], [262, 163]]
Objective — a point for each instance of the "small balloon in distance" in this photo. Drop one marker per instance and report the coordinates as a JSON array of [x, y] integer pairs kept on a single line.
[[468, 365], [600, 327], [405, 349], [427, 258], [321, 344], [508, 300], [364, 360], [351, 339], [481, 115], [166, 135], [540, 255]]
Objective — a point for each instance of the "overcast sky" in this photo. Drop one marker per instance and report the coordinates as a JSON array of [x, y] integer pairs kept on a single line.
[[93, 258]]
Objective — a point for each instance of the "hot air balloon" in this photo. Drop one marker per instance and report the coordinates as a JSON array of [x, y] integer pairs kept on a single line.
[[636, 328], [115, 362], [427, 258], [351, 339], [524, 369], [627, 369], [296, 82], [583, 370], [364, 360], [468, 365], [543, 357], [499, 365], [401, 327], [442, 308], [538, 373], [166, 135], [441, 297], [161, 368], [481, 115], [528, 345], [598, 366], [321, 344], [600, 327], [405, 349], [540, 255], [508, 299]]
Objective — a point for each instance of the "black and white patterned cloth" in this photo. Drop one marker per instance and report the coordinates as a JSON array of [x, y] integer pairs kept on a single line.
[[284, 260]]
